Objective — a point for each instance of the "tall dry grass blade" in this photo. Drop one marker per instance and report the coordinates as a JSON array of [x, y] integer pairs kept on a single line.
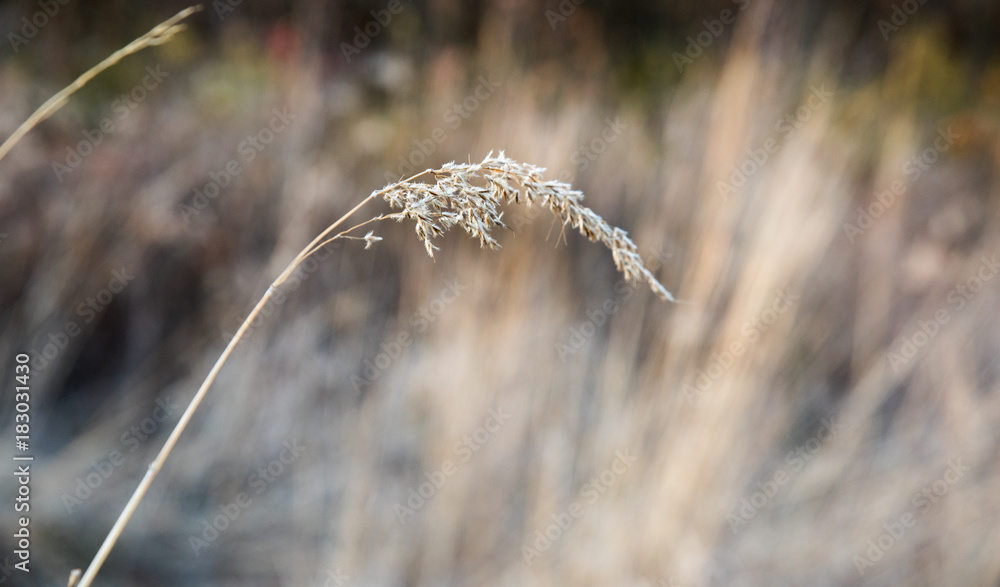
[[453, 200], [158, 35]]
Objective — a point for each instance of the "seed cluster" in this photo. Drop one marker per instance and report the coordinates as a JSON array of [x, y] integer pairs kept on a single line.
[[469, 195]]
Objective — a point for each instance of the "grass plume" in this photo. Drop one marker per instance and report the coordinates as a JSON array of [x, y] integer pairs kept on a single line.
[[470, 195], [455, 199], [465, 195]]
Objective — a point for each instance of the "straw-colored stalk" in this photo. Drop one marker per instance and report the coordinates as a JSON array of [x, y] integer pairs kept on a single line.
[[468, 195], [158, 35], [454, 199]]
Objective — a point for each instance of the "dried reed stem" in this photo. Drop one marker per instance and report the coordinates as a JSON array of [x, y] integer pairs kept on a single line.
[[158, 35], [453, 200]]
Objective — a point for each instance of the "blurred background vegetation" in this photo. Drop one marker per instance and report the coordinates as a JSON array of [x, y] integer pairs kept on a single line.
[[817, 179]]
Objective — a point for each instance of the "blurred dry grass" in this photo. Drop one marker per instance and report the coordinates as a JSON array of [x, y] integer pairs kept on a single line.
[[668, 518]]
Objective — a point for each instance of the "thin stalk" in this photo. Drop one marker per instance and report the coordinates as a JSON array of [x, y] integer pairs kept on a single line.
[[313, 246], [154, 467], [343, 233], [158, 35], [168, 446], [318, 242]]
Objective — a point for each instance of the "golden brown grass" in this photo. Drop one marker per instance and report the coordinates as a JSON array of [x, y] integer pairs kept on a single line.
[[665, 520], [158, 35], [454, 200]]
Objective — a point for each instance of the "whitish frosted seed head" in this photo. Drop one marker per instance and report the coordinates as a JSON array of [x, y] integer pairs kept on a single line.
[[470, 194], [371, 239]]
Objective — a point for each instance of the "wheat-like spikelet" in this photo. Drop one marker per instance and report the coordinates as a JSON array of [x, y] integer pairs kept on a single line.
[[454, 199], [458, 199]]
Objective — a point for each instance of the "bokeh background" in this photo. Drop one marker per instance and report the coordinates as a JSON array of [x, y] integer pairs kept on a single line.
[[818, 182]]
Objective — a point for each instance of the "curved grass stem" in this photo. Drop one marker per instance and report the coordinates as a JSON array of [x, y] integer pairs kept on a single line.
[[168, 446], [158, 35]]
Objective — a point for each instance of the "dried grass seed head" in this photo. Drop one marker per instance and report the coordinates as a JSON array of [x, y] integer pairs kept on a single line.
[[469, 195]]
